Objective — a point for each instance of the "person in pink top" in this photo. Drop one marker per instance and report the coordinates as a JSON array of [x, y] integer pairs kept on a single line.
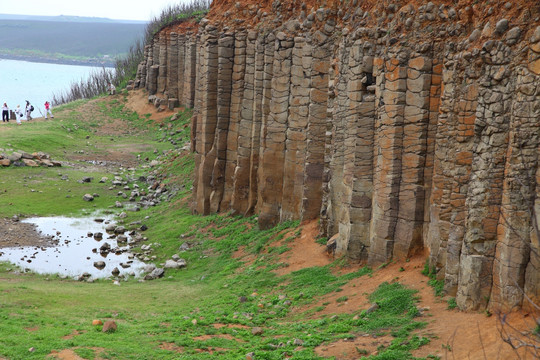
[[48, 110]]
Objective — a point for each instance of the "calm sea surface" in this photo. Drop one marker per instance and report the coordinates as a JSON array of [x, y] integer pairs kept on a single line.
[[36, 82]]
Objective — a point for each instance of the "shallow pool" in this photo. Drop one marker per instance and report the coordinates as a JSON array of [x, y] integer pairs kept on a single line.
[[75, 250]]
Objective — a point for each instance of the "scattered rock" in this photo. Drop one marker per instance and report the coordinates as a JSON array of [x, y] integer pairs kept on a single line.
[[88, 197], [257, 331], [155, 274], [501, 26], [99, 265], [109, 326]]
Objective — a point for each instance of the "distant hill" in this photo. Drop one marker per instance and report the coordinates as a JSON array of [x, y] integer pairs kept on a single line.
[[69, 18], [67, 38]]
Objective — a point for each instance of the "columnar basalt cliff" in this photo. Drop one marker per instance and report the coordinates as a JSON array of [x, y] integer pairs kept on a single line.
[[406, 129]]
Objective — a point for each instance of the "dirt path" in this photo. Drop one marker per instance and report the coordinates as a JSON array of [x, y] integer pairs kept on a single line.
[[15, 233]]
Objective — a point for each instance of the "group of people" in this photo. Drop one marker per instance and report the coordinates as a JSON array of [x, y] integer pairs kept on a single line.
[[27, 110]]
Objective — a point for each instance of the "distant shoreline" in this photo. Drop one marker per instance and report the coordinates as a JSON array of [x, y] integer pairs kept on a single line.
[[37, 59]]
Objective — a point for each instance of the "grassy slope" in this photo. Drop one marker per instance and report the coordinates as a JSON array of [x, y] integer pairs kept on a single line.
[[194, 313]]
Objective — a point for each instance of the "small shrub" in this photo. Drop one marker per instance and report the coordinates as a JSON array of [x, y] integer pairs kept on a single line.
[[452, 304]]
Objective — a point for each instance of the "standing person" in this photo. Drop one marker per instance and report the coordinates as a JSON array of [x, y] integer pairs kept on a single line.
[[5, 113], [29, 108], [48, 110], [18, 114]]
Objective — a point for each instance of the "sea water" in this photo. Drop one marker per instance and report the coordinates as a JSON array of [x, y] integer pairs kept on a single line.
[[37, 82]]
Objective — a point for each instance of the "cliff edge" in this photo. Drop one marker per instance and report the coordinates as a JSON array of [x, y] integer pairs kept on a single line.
[[406, 127]]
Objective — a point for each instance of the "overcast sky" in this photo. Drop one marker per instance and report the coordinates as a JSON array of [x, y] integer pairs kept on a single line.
[[112, 9]]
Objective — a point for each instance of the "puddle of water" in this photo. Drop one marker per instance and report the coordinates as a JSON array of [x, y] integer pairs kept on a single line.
[[75, 253]]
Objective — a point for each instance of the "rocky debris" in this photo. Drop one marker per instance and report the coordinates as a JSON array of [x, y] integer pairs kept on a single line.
[[155, 274], [88, 197], [21, 158], [175, 264]]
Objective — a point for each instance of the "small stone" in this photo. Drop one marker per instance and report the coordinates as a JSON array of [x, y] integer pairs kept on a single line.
[[32, 349], [109, 326], [298, 342], [99, 265], [257, 331], [88, 197], [250, 356], [501, 26], [372, 308], [475, 35], [115, 272], [97, 322], [242, 299], [513, 35]]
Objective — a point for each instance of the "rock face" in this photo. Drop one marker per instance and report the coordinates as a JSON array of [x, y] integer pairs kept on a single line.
[[414, 132]]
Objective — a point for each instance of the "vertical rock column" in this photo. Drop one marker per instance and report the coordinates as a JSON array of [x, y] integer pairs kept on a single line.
[[390, 103], [269, 52], [206, 120], [296, 142], [181, 45], [172, 70], [162, 77], [316, 125], [532, 274], [152, 69], [241, 184], [237, 94], [485, 188], [224, 83], [190, 70], [514, 229], [258, 114], [273, 149], [342, 144], [517, 256], [363, 100], [408, 234]]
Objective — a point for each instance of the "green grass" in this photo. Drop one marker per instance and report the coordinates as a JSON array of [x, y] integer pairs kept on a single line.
[[203, 300]]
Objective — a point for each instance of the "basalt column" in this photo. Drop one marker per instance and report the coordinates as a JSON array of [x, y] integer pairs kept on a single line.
[[241, 183], [190, 70], [237, 94], [206, 120], [517, 256], [224, 83], [339, 191], [260, 111], [152, 69], [408, 234], [362, 107], [296, 142], [172, 70], [273, 146], [268, 74], [484, 194], [390, 93], [181, 41], [316, 125], [162, 77], [532, 274]]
